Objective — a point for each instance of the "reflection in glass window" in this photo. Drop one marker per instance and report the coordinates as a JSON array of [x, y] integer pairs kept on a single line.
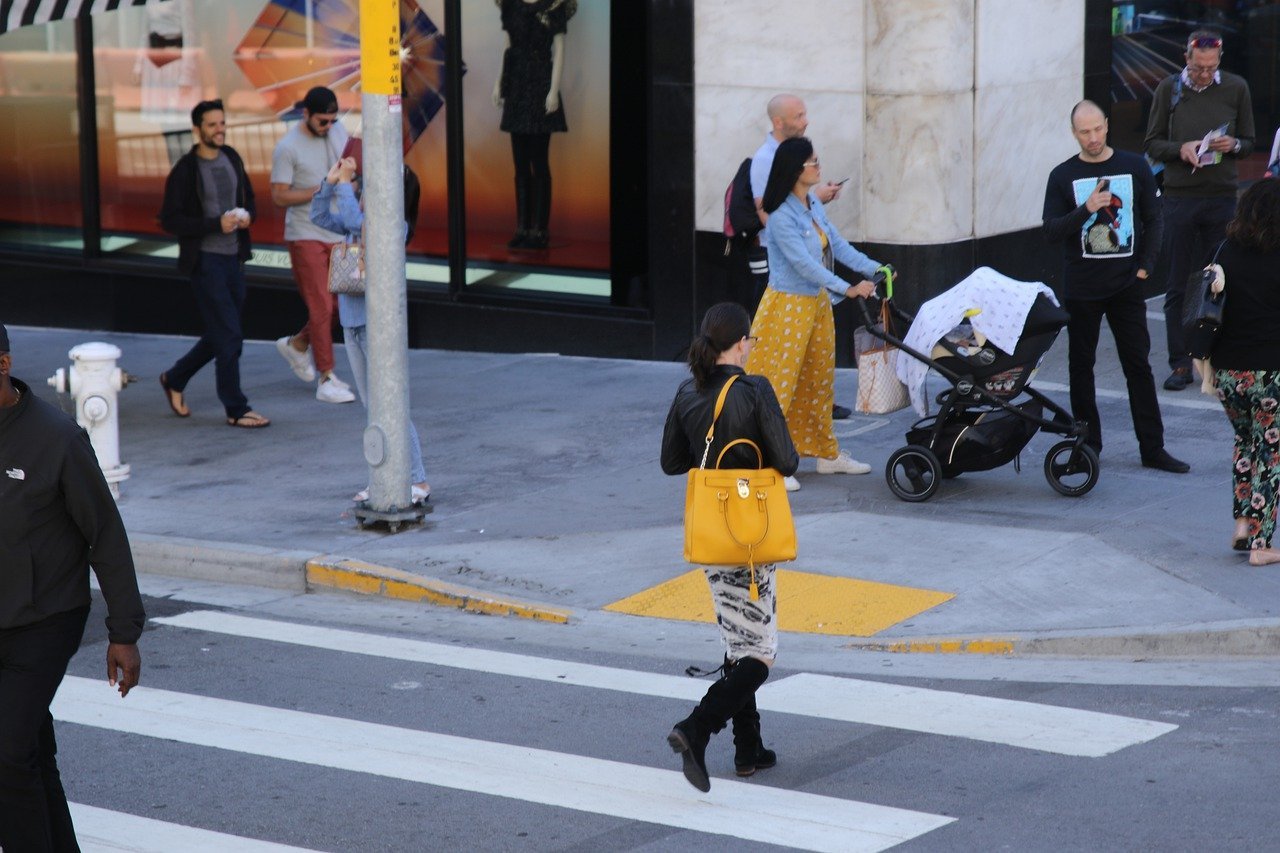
[[39, 138]]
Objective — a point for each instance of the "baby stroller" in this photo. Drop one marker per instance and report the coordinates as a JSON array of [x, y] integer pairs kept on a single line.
[[981, 423]]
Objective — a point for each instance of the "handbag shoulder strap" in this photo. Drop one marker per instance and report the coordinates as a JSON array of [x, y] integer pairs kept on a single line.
[[711, 430]]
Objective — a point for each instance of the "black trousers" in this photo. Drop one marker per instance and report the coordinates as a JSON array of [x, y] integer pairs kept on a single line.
[[530, 154], [33, 807], [1193, 228], [1126, 314], [219, 286]]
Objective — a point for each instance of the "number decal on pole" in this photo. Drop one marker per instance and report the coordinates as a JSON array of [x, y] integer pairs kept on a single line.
[[380, 46]]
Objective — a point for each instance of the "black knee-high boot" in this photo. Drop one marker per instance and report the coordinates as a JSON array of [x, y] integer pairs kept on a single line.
[[749, 753], [524, 217], [724, 698]]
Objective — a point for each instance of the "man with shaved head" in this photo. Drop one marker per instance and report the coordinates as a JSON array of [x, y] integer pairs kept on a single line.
[[1100, 205], [788, 119]]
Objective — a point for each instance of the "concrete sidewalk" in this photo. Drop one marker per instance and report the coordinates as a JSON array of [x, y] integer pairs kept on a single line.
[[547, 493]]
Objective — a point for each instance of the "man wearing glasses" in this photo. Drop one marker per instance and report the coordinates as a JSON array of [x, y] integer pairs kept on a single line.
[[1199, 186], [302, 159]]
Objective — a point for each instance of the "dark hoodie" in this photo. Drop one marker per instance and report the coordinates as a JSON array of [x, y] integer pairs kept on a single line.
[[57, 517]]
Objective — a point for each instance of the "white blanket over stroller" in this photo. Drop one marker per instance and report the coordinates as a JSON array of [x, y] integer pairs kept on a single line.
[[994, 304]]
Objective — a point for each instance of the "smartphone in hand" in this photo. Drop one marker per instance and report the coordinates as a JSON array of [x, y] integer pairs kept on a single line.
[[354, 148], [1104, 185]]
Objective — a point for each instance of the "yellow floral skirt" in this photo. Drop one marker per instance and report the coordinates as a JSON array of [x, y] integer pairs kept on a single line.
[[796, 350]]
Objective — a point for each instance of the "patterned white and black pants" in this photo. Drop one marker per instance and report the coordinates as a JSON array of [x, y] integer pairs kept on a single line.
[[748, 628]]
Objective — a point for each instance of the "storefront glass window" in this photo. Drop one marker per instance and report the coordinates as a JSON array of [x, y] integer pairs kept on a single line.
[[1148, 44], [39, 138], [537, 180]]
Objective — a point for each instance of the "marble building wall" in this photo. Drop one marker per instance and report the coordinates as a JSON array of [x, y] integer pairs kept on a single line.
[[946, 114]]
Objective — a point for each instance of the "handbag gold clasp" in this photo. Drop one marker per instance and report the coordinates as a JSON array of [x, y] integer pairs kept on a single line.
[[744, 488]]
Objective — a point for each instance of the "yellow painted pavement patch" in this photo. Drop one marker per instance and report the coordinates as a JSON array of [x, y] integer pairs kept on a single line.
[[807, 602]]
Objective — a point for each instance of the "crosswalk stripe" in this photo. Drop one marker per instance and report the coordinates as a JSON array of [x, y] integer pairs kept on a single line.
[[1048, 728], [634, 792], [102, 831], [1193, 402]]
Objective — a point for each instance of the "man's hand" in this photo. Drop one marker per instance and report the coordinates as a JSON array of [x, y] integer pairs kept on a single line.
[[1098, 199], [1223, 144], [230, 222], [863, 289], [827, 193], [1141, 275], [124, 665], [1188, 152]]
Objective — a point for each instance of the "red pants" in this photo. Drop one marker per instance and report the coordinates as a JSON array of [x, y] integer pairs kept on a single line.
[[310, 259]]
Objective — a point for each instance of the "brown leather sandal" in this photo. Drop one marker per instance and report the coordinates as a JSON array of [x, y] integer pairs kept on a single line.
[[249, 420], [176, 402]]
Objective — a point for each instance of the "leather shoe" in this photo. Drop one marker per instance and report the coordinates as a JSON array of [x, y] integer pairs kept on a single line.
[[1162, 461], [1179, 379], [839, 412]]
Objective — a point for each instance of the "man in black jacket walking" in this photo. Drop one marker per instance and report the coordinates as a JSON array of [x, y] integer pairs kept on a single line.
[[57, 517], [208, 204]]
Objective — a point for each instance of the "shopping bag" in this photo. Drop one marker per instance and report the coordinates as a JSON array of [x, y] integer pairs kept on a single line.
[[879, 389]]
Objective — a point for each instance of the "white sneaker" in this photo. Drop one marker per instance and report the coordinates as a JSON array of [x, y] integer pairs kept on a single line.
[[300, 362], [328, 391], [791, 484], [333, 377], [843, 464]]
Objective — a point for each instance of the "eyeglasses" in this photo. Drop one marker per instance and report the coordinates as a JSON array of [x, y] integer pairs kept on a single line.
[[1204, 43], [814, 163], [325, 122], [755, 339]]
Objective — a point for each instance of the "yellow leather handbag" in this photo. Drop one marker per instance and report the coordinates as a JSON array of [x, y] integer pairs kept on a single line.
[[736, 516]]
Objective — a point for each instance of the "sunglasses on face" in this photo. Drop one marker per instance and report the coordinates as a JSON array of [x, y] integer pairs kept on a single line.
[[325, 122]]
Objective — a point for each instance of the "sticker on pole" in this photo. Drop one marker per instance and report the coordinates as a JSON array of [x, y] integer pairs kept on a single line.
[[393, 104], [380, 47]]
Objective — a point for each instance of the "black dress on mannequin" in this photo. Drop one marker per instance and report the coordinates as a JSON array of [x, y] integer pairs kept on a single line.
[[526, 82]]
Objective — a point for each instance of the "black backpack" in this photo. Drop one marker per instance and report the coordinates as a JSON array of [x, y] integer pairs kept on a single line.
[[740, 218]]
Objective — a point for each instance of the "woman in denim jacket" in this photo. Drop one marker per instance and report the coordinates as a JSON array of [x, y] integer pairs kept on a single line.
[[794, 324], [349, 221]]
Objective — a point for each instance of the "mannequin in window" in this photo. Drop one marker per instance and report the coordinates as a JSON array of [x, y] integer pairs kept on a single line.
[[528, 93], [167, 67]]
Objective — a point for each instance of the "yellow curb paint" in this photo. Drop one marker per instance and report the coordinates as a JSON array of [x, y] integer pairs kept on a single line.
[[807, 602], [369, 579], [941, 647]]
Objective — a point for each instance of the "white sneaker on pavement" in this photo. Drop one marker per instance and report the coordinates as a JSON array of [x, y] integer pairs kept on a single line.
[[329, 391], [300, 362], [333, 377], [843, 464], [791, 484]]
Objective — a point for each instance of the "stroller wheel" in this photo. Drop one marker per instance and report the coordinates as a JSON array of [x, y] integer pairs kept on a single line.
[[913, 473], [1071, 470]]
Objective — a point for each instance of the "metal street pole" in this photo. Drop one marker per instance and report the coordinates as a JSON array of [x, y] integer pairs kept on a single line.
[[386, 438]]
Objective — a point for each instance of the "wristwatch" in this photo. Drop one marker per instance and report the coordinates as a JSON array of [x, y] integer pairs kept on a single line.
[[1235, 149]]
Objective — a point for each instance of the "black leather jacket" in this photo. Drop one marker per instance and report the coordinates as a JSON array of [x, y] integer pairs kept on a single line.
[[750, 411]]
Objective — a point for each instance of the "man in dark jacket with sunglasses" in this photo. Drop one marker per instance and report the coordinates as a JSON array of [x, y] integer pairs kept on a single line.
[[1199, 187], [57, 517]]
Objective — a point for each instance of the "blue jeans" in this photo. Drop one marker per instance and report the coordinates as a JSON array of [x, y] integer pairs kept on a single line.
[[1188, 222], [218, 285], [357, 341]]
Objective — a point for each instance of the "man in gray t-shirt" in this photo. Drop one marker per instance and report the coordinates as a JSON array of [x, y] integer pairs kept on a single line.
[[298, 166]]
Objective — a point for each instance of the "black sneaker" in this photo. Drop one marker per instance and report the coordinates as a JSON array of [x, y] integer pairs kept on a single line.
[[1179, 379], [839, 412], [1162, 461]]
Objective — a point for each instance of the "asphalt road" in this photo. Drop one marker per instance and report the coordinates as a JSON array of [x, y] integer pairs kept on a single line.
[[332, 723]]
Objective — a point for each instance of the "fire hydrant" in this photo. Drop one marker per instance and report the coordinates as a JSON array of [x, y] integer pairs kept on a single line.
[[95, 381]]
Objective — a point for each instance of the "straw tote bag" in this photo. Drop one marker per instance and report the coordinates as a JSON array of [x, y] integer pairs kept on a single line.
[[736, 516]]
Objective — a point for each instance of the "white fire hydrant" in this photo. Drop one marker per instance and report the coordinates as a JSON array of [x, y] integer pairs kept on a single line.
[[95, 381]]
